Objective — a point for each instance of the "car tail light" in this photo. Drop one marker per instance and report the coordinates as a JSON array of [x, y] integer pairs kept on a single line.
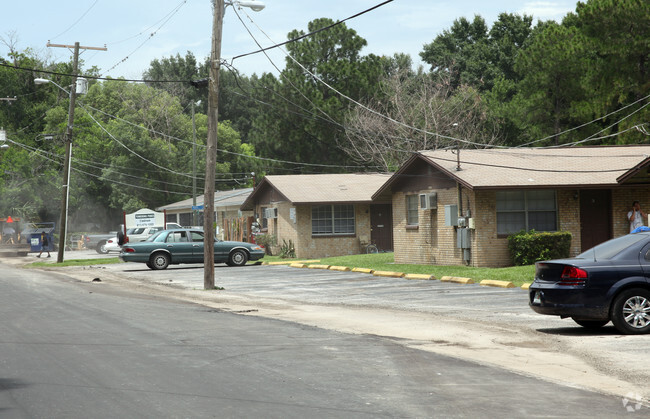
[[128, 249], [573, 276]]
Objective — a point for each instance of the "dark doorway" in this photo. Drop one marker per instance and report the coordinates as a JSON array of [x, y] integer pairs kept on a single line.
[[595, 217], [381, 224]]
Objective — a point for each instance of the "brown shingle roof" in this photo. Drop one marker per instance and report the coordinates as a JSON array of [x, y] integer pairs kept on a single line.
[[309, 189], [322, 188], [540, 167]]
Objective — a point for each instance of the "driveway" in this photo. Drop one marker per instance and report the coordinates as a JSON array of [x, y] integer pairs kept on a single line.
[[491, 326]]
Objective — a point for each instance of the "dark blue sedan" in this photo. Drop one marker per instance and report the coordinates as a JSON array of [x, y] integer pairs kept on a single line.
[[186, 246], [607, 282]]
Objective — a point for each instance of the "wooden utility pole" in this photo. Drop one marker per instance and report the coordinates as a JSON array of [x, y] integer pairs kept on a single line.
[[63, 223], [211, 147]]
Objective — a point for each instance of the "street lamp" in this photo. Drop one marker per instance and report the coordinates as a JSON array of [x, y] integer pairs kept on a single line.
[[211, 143], [254, 5], [63, 223], [3, 140]]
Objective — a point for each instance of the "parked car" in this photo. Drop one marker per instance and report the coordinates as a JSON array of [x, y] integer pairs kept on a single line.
[[112, 245], [98, 241], [140, 234], [176, 246], [607, 282]]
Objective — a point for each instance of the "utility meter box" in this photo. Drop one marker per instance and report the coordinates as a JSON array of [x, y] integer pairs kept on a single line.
[[451, 215], [463, 238]]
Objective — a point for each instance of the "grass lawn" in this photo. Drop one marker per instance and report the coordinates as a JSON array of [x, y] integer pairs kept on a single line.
[[76, 262], [518, 275]]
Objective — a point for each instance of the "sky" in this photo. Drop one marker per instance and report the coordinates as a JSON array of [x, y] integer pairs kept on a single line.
[[136, 32]]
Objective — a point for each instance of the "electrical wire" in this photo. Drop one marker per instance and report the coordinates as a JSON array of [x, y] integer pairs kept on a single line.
[[76, 21], [151, 35]]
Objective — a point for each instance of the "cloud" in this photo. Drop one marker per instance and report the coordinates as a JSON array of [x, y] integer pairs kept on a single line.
[[545, 10]]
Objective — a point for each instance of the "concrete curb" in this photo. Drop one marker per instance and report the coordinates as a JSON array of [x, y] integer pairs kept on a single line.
[[526, 286], [298, 265], [389, 274], [318, 266], [339, 268], [363, 270], [457, 279], [289, 262], [496, 283], [419, 276]]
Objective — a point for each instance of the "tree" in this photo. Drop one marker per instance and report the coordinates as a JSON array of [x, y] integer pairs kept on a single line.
[[420, 112], [301, 119], [463, 52], [475, 56], [617, 73], [551, 66]]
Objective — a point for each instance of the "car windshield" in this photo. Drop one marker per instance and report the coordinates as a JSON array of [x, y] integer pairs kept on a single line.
[[612, 247], [134, 231]]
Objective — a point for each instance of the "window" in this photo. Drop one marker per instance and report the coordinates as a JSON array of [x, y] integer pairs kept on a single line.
[[412, 203], [185, 219], [265, 221], [526, 210], [176, 237], [332, 219]]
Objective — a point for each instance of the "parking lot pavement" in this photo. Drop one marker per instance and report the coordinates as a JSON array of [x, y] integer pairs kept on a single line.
[[327, 287]]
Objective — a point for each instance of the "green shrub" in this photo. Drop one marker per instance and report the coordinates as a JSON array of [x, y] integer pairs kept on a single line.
[[527, 248], [266, 241], [287, 250]]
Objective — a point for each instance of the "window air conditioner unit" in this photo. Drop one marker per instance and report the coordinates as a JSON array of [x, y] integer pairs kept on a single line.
[[429, 201], [271, 213]]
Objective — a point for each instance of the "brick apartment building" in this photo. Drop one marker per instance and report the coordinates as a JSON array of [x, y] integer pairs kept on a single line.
[[451, 209], [323, 215]]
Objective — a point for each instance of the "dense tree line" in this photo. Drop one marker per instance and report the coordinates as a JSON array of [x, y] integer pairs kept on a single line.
[[330, 109]]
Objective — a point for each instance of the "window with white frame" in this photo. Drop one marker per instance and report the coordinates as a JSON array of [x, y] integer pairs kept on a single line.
[[412, 203], [332, 219], [526, 210]]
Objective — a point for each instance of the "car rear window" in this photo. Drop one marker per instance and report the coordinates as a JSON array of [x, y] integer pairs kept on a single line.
[[612, 247]]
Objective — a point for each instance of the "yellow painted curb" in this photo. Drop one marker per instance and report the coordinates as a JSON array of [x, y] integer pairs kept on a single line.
[[526, 286], [289, 262], [457, 279], [496, 283], [339, 268], [419, 276], [298, 265], [363, 270], [389, 274], [318, 266]]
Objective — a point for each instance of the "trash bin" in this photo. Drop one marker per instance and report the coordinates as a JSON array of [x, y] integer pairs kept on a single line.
[[35, 237]]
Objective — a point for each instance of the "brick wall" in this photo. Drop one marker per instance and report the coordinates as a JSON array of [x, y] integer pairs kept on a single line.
[[434, 243], [308, 246], [431, 242]]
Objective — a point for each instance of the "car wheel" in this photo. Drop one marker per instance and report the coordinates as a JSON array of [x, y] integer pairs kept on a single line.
[[591, 324], [631, 311], [159, 261], [149, 265], [237, 258], [101, 248]]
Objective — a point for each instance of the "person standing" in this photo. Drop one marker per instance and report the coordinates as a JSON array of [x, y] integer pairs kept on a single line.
[[44, 245], [636, 216]]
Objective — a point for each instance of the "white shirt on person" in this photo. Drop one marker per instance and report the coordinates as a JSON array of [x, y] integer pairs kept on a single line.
[[637, 221]]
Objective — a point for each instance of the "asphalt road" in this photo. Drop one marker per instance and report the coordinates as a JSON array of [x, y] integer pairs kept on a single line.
[[78, 349]]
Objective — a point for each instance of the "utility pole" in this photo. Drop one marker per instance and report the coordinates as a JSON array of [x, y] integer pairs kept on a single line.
[[63, 225], [211, 147], [194, 210]]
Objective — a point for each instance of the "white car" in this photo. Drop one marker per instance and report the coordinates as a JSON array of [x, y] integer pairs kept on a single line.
[[112, 245], [140, 234]]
